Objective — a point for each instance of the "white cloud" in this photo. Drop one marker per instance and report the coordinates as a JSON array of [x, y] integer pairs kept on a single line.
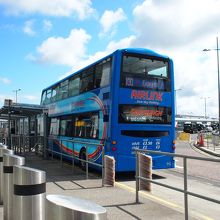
[[123, 43], [82, 9], [47, 25], [66, 51], [109, 21], [182, 29], [175, 23], [4, 80], [111, 47], [28, 28]]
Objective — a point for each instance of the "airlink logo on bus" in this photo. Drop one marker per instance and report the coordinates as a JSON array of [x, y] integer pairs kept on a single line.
[[146, 95]]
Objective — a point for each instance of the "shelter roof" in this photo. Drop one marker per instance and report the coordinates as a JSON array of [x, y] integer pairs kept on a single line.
[[20, 110]]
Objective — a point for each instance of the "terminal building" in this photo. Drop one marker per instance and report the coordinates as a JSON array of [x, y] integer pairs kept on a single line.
[[206, 121]]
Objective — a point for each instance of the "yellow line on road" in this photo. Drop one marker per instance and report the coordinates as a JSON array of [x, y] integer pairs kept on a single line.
[[162, 201]]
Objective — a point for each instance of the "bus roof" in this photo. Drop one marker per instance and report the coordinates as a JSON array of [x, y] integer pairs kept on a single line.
[[129, 50]]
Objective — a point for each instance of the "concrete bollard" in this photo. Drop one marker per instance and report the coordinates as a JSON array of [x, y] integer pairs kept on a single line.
[[8, 162], [145, 170], [3, 150], [109, 164], [29, 193], [60, 207]]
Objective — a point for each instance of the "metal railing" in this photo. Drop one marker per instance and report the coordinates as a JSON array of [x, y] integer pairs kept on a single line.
[[185, 190], [3, 138], [211, 140], [73, 157], [25, 144]]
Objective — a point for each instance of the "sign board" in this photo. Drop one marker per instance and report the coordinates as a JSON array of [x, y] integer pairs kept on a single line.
[[7, 102]]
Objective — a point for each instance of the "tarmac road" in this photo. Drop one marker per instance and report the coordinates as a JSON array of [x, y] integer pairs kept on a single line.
[[203, 179], [202, 170]]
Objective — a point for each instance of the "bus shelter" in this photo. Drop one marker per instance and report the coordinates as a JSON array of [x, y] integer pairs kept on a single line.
[[22, 120]]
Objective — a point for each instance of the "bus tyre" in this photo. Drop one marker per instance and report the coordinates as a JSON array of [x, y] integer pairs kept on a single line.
[[83, 157]]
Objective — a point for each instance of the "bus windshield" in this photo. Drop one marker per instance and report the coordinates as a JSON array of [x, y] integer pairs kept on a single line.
[[144, 73]]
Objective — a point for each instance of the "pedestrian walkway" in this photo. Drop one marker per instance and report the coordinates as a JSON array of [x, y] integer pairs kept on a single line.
[[119, 201], [210, 149], [207, 145]]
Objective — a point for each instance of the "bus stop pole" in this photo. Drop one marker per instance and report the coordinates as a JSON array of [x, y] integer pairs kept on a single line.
[[87, 164], [45, 135], [9, 125], [103, 166]]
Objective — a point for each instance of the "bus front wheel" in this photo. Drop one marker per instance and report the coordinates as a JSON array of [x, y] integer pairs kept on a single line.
[[82, 156]]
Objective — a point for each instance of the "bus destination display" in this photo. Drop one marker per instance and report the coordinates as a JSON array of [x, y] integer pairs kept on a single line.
[[154, 84]]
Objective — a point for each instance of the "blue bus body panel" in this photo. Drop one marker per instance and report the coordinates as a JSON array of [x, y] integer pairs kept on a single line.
[[111, 130]]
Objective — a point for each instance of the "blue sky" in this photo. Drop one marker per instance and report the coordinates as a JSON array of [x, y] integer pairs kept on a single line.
[[43, 41]]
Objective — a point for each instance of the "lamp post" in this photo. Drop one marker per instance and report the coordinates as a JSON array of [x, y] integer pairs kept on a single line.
[[16, 94], [205, 98], [175, 90], [217, 53]]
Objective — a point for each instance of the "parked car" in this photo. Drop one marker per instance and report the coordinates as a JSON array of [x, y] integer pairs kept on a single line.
[[208, 128], [214, 126], [200, 126], [215, 132], [189, 127]]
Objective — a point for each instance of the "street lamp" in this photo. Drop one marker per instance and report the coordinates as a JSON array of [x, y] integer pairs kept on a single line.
[[205, 103], [175, 90], [217, 53], [16, 94]]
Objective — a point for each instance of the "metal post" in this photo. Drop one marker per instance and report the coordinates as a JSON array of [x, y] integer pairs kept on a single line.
[[103, 166], [61, 154], [52, 147], [20, 143], [45, 135], [3, 150], [9, 162], [137, 176], [61, 207], [217, 51], [185, 188], [29, 140], [16, 94], [9, 125], [87, 164], [73, 159], [29, 193]]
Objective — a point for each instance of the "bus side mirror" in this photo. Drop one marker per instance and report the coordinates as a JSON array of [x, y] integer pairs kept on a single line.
[[105, 118]]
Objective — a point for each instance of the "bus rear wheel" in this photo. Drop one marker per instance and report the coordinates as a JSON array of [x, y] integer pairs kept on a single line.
[[82, 156]]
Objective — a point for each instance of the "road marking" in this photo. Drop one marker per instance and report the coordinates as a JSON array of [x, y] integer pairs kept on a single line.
[[163, 201], [176, 166], [179, 167]]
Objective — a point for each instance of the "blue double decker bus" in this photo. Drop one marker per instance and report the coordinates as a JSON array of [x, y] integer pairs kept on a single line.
[[124, 101]]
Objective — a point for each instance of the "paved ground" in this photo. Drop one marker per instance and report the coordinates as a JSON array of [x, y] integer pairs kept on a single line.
[[207, 145], [119, 201]]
